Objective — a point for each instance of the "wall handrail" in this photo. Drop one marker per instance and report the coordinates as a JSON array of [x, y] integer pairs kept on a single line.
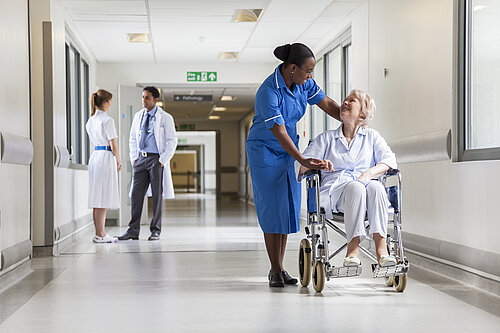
[[428, 147], [15, 149]]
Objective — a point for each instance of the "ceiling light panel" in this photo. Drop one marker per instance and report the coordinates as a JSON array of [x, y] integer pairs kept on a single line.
[[246, 15], [137, 38], [214, 117], [228, 55], [220, 108], [228, 98]]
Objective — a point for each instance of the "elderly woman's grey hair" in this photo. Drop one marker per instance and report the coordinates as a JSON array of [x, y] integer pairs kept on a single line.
[[367, 105]]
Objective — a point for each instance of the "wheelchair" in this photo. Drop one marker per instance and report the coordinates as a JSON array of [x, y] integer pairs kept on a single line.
[[314, 256]]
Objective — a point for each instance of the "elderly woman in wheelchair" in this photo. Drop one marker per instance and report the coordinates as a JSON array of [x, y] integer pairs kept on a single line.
[[356, 157]]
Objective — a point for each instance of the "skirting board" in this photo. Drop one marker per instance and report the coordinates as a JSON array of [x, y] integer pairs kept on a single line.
[[480, 260], [65, 230], [15, 254]]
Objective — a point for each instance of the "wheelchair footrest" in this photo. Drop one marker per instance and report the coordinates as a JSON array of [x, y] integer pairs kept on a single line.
[[389, 271], [341, 271]]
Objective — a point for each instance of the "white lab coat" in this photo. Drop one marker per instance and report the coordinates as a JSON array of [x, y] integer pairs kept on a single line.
[[166, 141]]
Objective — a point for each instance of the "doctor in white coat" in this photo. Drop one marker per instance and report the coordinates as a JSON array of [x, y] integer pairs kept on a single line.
[[152, 144]]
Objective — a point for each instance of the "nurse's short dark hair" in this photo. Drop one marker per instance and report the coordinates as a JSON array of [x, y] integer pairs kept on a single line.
[[295, 53], [153, 91]]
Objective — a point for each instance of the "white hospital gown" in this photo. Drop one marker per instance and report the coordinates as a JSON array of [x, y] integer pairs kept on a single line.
[[368, 148], [103, 174]]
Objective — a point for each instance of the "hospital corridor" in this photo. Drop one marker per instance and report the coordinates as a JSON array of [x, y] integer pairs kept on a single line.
[[249, 166]]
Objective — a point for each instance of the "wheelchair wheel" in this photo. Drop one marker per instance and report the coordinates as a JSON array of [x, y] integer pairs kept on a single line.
[[400, 282], [319, 276], [389, 281], [305, 263]]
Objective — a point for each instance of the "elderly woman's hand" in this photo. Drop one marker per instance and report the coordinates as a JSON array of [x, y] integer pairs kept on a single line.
[[314, 163], [366, 176]]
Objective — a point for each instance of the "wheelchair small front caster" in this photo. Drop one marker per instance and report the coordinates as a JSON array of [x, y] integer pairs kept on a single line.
[[389, 281], [305, 262], [319, 275], [400, 282]]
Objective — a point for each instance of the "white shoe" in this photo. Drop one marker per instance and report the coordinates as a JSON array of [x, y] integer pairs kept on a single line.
[[351, 261], [387, 261], [106, 239]]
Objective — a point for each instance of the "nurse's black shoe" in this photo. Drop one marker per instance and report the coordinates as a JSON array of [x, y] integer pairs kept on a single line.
[[276, 281], [287, 279]]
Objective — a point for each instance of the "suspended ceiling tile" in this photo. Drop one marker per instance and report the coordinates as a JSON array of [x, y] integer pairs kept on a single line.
[[105, 6], [268, 35], [108, 18], [293, 11]]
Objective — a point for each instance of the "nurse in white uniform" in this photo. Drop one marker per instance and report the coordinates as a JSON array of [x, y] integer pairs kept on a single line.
[[104, 163]]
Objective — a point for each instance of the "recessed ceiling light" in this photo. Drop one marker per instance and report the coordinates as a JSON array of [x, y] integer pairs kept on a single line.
[[228, 98], [220, 108], [228, 55], [246, 15], [138, 38], [160, 104], [213, 117]]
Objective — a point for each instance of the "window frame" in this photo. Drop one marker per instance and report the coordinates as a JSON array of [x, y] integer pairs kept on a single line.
[[344, 40], [464, 93], [80, 83]]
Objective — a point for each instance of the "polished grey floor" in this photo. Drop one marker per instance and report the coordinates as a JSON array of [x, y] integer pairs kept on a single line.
[[208, 274]]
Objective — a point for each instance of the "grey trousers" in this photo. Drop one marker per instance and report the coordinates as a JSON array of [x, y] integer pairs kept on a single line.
[[147, 170], [357, 200]]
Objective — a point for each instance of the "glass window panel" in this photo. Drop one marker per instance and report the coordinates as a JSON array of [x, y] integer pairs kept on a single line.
[[317, 115], [347, 61], [334, 86], [483, 119], [86, 111]]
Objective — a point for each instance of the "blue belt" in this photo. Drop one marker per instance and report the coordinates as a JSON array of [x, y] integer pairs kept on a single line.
[[103, 148]]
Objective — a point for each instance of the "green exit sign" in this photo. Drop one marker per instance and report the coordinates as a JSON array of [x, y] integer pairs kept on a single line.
[[202, 76]]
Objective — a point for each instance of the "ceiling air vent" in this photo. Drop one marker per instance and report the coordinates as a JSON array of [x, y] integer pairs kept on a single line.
[[246, 15]]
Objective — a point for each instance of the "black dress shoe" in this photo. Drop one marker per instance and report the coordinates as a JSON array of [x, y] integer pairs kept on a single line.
[[154, 236], [288, 279], [127, 236], [276, 280]]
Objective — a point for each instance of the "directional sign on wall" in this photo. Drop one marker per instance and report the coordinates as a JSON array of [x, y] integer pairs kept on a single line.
[[202, 76], [193, 98]]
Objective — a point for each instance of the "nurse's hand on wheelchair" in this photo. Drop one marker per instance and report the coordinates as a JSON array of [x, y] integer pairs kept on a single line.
[[313, 163]]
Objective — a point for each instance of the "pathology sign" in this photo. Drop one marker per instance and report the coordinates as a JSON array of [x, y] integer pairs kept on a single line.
[[201, 76]]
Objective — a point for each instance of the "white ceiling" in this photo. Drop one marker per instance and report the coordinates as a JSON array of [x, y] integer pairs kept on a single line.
[[199, 30]]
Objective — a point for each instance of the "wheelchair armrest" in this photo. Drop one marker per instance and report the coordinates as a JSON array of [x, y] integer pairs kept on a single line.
[[311, 172], [391, 172]]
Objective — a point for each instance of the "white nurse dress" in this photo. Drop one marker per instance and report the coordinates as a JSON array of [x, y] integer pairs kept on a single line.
[[103, 174]]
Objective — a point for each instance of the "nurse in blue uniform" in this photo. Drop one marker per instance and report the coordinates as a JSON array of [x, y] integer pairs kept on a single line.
[[272, 148]]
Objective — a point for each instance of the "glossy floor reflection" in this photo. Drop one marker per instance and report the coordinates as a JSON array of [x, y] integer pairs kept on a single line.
[[208, 274]]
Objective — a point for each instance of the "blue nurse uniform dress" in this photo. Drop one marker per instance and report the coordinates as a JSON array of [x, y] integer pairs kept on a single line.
[[275, 188]]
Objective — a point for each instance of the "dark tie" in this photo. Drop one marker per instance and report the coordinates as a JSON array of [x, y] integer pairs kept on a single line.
[[144, 134]]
